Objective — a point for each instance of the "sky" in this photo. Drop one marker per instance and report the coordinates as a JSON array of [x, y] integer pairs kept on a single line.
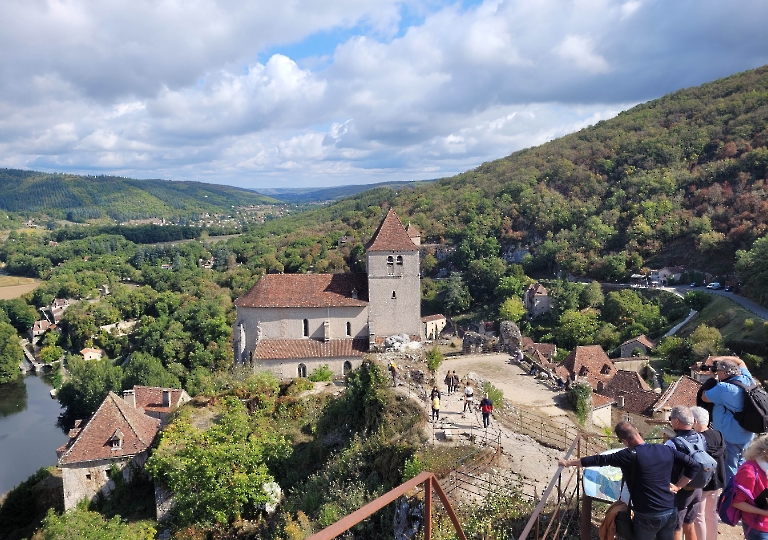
[[300, 93]]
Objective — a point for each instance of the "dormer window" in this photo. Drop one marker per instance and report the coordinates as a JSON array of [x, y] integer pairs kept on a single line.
[[583, 371], [606, 369], [116, 440]]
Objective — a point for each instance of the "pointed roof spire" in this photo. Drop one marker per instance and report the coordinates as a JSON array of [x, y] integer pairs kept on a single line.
[[391, 236]]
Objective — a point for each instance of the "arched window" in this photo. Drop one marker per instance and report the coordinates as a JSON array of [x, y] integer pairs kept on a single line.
[[390, 265], [349, 328], [346, 368], [399, 260], [306, 328], [302, 371]]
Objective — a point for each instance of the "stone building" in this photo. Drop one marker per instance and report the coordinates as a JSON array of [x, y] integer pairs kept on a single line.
[[293, 323], [536, 300], [117, 437], [641, 342], [115, 440]]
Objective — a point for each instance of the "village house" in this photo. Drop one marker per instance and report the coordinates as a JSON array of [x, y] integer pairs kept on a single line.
[[294, 323], [115, 440], [641, 342], [588, 364], [542, 352], [536, 300], [667, 275], [433, 325], [39, 328], [90, 353], [56, 309]]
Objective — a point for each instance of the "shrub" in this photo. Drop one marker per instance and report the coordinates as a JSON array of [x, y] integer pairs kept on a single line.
[[581, 398], [297, 386], [749, 324], [321, 373], [434, 359], [413, 467], [496, 395], [697, 300]]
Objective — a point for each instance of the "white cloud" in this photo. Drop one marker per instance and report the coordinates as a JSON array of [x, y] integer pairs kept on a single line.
[[580, 50], [345, 91]]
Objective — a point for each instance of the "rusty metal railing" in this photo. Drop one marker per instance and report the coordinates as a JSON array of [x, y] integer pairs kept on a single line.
[[430, 482]]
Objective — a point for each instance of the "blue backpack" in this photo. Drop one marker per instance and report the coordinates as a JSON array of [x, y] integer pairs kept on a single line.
[[728, 514], [700, 456]]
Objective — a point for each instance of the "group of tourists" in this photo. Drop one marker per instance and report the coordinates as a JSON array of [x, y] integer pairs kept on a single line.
[[675, 487], [452, 382]]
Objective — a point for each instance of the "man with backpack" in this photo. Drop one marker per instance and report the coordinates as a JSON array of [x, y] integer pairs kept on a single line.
[[689, 442], [646, 469], [728, 399]]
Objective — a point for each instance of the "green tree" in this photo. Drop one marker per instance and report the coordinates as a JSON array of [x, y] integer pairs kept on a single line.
[[675, 349], [512, 309], [483, 277], [576, 328], [752, 266], [591, 296], [51, 353], [88, 385], [705, 341], [219, 475], [10, 353], [454, 295], [146, 370], [86, 525]]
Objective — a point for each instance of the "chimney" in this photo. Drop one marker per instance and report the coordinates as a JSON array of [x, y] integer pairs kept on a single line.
[[166, 398], [129, 398], [620, 402]]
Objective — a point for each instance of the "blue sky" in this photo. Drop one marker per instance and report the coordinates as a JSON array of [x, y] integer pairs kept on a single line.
[[306, 93]]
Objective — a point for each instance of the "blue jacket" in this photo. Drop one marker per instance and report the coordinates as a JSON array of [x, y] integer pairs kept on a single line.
[[728, 399]]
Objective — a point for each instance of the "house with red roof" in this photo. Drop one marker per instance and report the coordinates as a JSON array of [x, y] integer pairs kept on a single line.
[[589, 364], [293, 323], [115, 440], [641, 342]]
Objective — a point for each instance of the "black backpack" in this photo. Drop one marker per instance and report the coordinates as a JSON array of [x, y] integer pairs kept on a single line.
[[754, 417]]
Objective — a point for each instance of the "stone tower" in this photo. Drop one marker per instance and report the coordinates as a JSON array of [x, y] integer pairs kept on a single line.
[[394, 286]]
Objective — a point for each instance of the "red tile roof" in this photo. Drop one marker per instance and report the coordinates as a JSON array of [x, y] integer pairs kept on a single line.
[[639, 401], [150, 398], [92, 441], [429, 318], [307, 290], [599, 401], [536, 289], [546, 350], [391, 236], [682, 392], [587, 362], [642, 339], [294, 349], [625, 381], [412, 231]]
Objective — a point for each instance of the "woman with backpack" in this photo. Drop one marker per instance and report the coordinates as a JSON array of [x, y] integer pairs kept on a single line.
[[751, 490]]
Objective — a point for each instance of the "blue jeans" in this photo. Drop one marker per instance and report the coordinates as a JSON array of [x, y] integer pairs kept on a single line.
[[754, 534], [734, 458], [652, 526]]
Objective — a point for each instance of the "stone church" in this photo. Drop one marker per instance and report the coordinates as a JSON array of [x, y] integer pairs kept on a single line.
[[293, 323]]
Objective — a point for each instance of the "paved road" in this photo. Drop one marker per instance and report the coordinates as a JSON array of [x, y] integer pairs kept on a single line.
[[747, 304]]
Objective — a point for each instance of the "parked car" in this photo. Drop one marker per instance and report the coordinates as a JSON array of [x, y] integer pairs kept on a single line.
[[714, 285], [694, 284], [728, 288]]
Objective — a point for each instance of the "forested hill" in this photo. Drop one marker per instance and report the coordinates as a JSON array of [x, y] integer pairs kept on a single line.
[[86, 197], [681, 179]]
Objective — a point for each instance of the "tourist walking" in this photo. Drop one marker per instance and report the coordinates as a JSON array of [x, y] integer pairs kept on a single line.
[[394, 372], [647, 469], [435, 399], [728, 398], [456, 382], [706, 522], [751, 483], [448, 381], [468, 397], [486, 407]]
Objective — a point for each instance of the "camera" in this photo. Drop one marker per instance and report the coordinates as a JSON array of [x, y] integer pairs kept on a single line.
[[713, 369]]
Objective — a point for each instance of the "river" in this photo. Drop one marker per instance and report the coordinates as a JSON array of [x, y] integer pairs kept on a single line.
[[29, 435]]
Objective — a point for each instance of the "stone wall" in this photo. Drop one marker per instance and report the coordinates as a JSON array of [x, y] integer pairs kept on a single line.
[[288, 369], [86, 480]]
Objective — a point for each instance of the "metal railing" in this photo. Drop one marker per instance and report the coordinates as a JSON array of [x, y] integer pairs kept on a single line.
[[430, 482]]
